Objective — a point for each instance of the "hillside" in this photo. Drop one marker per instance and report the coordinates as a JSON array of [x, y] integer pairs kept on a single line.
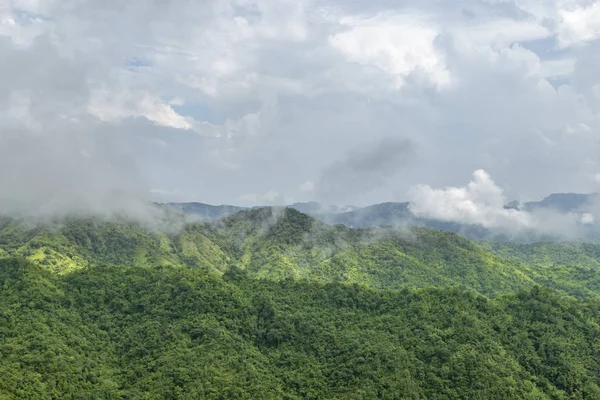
[[180, 333], [293, 245], [277, 244], [77, 243], [271, 303], [271, 243], [572, 265], [547, 253]]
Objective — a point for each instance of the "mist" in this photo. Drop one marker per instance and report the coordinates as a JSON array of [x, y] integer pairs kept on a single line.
[[482, 202], [67, 91], [57, 160]]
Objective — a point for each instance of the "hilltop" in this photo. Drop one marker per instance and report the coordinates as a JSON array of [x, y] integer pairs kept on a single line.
[[399, 214], [282, 243]]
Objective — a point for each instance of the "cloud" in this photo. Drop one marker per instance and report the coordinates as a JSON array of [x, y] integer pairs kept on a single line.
[[307, 187], [480, 202], [364, 169], [55, 159], [250, 96], [113, 107], [588, 219], [580, 24], [398, 44]]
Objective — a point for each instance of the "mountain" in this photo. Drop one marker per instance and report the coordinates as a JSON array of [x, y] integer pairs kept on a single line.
[[293, 245], [208, 212], [375, 215], [399, 214], [272, 303], [314, 208], [282, 243], [547, 254], [367, 217], [379, 214], [275, 244], [205, 212], [574, 265], [564, 202]]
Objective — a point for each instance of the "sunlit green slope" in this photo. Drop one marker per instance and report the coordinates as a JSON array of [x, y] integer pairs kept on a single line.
[[277, 244], [548, 253], [77, 243]]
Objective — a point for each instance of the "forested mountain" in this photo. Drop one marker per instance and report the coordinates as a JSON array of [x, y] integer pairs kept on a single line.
[[177, 333], [399, 214], [272, 303], [208, 212], [278, 243], [354, 217], [547, 253]]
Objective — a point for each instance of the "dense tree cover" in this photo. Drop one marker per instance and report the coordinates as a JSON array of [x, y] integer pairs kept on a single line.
[[277, 244], [177, 333], [547, 253], [270, 303], [571, 268]]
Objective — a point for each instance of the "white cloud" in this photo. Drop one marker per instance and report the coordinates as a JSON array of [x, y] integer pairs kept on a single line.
[[166, 192], [587, 219], [580, 24], [481, 202], [113, 107], [254, 94], [398, 44]]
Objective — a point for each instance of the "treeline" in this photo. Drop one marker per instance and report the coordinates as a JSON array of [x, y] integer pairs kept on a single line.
[[108, 332]]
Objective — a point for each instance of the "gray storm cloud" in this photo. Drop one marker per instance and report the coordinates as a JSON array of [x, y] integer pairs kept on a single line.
[[364, 169]]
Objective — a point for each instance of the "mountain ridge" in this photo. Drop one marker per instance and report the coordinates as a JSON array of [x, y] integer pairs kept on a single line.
[[399, 214], [273, 303], [282, 243]]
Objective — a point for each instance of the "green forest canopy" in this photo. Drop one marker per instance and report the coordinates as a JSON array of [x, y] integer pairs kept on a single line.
[[273, 304], [175, 333]]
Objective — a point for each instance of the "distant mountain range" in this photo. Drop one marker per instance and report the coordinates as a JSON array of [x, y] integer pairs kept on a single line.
[[210, 212], [562, 202], [396, 213], [206, 212]]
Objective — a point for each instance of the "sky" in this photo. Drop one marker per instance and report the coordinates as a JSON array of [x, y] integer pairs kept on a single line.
[[274, 101]]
